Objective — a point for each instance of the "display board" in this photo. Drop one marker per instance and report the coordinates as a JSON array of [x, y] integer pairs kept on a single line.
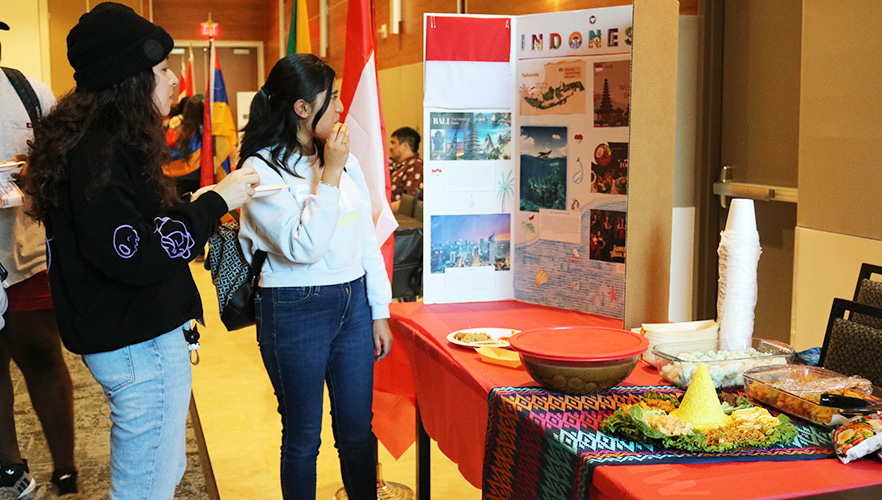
[[528, 164]]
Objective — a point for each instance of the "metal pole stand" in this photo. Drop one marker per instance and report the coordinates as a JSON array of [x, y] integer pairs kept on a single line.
[[386, 490]]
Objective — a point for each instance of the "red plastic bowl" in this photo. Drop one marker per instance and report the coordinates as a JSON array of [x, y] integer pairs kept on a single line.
[[579, 359]]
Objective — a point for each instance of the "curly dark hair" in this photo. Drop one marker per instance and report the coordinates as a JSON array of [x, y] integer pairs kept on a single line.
[[127, 112]]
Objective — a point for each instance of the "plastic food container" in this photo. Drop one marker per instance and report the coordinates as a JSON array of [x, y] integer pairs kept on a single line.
[[579, 360], [796, 390], [677, 362]]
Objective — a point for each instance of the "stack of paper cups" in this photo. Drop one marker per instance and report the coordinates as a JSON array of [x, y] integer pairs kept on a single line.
[[739, 253]]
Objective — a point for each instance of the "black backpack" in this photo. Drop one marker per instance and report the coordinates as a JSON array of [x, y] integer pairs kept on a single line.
[[26, 93]]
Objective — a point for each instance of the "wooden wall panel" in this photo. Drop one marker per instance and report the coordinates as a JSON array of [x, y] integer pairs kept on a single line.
[[238, 19], [270, 40], [687, 7], [337, 12], [406, 47]]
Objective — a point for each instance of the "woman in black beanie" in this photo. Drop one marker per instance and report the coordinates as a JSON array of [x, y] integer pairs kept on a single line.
[[120, 240]]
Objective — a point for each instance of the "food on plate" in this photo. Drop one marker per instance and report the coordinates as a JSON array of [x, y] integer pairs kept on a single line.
[[726, 366], [700, 406], [797, 391], [859, 437], [469, 337], [700, 422]]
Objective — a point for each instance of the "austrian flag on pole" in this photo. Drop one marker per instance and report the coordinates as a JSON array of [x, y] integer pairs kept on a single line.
[[474, 72]]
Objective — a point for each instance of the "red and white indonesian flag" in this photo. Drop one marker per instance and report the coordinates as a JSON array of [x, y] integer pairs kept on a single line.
[[362, 114], [467, 62], [185, 85]]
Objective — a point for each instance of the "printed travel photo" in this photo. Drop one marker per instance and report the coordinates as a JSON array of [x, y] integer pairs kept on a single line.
[[471, 241], [470, 136], [553, 88], [543, 168], [608, 231], [612, 93], [609, 169]]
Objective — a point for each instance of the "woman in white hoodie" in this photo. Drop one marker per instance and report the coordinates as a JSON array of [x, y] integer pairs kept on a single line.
[[324, 293]]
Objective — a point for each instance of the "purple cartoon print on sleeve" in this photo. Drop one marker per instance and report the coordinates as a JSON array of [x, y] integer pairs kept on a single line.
[[175, 238], [125, 241]]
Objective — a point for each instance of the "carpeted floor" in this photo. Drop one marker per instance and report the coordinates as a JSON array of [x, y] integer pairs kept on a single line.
[[92, 422]]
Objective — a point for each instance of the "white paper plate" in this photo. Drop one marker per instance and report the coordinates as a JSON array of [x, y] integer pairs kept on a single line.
[[689, 326], [268, 190], [496, 335], [8, 170]]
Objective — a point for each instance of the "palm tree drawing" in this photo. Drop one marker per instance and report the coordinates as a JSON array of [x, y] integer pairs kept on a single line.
[[506, 188]]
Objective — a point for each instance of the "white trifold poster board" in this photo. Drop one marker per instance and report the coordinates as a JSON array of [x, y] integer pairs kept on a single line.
[[527, 126]]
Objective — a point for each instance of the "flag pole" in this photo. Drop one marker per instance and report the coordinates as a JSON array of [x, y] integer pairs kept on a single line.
[[207, 175], [210, 99]]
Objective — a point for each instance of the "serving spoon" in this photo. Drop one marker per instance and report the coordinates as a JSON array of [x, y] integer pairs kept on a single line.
[[849, 406]]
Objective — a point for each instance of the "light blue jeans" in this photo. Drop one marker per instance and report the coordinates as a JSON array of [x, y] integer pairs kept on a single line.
[[148, 387]]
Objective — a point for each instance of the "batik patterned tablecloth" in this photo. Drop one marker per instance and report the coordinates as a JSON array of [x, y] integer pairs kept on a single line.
[[545, 445]]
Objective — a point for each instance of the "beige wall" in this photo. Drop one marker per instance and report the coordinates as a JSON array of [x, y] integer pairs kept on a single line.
[[840, 143], [24, 43], [827, 265], [401, 92], [840, 179]]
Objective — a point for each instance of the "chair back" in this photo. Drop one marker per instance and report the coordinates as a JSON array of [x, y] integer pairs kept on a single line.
[[868, 291], [852, 347]]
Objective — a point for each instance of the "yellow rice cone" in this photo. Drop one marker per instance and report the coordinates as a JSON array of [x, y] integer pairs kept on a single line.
[[701, 406]]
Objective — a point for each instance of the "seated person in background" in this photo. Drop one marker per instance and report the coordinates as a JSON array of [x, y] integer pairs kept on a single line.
[[407, 166], [184, 137]]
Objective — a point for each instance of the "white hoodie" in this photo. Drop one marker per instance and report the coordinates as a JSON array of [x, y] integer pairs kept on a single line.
[[315, 234]]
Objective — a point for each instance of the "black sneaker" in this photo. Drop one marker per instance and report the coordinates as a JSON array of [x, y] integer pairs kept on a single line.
[[65, 481], [15, 482]]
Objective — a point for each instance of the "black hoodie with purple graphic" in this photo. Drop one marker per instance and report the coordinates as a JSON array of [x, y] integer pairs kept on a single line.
[[118, 262]]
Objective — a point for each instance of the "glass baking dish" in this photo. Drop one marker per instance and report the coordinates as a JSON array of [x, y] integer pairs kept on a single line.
[[677, 362], [797, 389]]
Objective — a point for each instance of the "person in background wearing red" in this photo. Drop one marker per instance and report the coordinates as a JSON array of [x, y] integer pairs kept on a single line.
[[407, 166]]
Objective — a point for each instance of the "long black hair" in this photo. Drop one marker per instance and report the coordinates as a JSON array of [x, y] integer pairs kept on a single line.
[[272, 122], [126, 111]]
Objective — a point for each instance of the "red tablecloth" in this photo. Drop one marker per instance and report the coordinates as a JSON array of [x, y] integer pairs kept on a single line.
[[452, 385]]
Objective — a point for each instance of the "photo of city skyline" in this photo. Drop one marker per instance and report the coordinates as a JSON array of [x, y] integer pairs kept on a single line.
[[471, 241]]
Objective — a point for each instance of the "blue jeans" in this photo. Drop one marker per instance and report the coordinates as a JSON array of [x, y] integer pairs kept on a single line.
[[148, 387], [308, 336]]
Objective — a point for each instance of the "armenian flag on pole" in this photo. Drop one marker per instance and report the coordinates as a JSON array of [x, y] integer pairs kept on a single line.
[[218, 129]]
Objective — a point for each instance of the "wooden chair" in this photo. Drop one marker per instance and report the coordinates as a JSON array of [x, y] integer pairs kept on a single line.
[[852, 347]]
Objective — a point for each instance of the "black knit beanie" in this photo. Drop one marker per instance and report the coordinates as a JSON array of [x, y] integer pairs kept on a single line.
[[112, 43]]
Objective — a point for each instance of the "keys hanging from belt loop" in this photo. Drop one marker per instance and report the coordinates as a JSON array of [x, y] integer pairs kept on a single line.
[[191, 334]]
